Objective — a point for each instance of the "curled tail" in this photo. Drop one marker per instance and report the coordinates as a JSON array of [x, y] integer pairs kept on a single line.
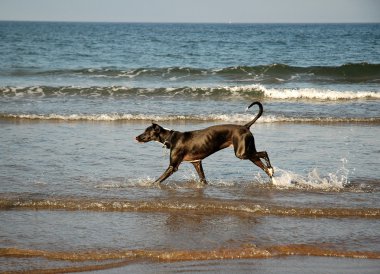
[[248, 125]]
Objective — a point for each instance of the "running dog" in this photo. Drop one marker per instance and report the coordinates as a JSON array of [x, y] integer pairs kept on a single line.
[[194, 146]]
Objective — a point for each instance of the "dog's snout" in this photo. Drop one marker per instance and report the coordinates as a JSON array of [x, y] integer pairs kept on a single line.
[[141, 138]]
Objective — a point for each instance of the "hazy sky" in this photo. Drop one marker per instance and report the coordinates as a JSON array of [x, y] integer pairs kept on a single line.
[[250, 11]]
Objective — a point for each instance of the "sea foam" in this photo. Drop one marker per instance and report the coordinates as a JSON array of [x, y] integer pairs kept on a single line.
[[319, 94], [201, 118], [253, 91]]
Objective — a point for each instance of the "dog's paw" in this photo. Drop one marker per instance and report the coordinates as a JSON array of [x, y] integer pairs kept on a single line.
[[270, 172]]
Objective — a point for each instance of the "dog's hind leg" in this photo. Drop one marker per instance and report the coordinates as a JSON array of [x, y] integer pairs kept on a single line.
[[264, 155], [244, 146], [198, 167], [268, 170]]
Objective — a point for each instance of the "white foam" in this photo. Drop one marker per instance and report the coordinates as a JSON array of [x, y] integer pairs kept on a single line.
[[304, 93], [235, 118], [313, 180], [319, 94], [254, 90]]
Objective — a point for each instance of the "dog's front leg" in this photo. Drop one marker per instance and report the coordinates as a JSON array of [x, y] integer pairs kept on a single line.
[[169, 171], [173, 167]]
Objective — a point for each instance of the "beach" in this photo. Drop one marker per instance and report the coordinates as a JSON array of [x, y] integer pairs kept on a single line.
[[78, 193]]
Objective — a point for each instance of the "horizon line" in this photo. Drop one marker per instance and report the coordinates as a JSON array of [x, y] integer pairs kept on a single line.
[[184, 22]]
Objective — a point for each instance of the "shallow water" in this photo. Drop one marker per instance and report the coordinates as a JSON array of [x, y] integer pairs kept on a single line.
[[103, 201]]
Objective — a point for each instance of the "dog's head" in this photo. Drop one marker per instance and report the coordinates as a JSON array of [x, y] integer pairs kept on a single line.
[[151, 133]]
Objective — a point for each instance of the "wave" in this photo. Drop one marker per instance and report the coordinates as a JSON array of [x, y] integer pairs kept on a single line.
[[273, 73], [319, 94], [206, 206], [106, 259], [228, 118], [351, 72], [247, 251], [220, 92]]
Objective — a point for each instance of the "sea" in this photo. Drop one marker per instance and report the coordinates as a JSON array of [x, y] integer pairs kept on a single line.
[[78, 193]]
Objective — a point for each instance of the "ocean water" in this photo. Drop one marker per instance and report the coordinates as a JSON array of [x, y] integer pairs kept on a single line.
[[77, 193]]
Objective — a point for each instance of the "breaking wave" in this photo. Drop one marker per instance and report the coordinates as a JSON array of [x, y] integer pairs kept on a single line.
[[236, 118], [218, 92]]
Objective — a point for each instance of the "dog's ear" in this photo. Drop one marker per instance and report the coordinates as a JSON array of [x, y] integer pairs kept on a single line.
[[156, 127]]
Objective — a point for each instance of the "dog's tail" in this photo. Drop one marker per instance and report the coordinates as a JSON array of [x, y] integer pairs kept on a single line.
[[248, 125]]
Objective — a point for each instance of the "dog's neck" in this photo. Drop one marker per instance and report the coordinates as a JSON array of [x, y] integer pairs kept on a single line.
[[165, 137]]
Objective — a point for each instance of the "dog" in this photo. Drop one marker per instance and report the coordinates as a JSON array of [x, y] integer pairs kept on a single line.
[[194, 146]]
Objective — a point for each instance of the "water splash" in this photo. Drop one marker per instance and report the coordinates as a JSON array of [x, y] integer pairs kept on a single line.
[[333, 181]]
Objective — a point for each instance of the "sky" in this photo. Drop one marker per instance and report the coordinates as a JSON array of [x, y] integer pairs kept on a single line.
[[193, 11]]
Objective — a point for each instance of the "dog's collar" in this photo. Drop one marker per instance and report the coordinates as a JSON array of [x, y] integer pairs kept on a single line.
[[166, 143]]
